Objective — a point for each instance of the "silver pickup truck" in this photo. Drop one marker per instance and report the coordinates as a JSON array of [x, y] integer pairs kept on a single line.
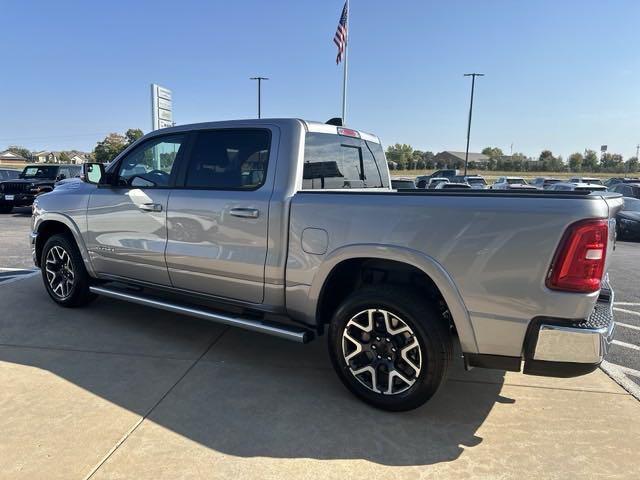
[[290, 228]]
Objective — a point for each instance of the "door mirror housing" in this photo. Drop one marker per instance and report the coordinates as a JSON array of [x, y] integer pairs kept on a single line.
[[93, 172]]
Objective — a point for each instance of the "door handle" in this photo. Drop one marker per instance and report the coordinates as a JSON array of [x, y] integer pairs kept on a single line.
[[245, 212], [150, 207]]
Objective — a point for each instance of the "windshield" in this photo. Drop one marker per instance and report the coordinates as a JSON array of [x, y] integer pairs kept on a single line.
[[516, 181], [39, 172], [631, 205]]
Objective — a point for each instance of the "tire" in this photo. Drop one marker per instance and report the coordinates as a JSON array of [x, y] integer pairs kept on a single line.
[[63, 272], [418, 337], [6, 208]]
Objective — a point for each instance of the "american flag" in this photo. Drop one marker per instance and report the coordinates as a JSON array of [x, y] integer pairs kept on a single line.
[[340, 38]]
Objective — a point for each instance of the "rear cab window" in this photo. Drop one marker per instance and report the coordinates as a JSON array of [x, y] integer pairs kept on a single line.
[[334, 161]]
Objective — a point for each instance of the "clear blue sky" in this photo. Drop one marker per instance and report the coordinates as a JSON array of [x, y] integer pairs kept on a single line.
[[562, 74]]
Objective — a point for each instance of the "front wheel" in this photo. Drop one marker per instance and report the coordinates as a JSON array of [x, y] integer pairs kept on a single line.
[[6, 208], [65, 277], [389, 347]]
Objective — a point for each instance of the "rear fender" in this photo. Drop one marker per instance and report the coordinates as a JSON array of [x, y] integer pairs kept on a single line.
[[427, 264]]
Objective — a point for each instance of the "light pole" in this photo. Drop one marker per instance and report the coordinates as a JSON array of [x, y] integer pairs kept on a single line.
[[259, 79], [473, 83]]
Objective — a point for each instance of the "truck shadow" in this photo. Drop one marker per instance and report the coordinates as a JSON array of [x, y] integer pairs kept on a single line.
[[247, 396]]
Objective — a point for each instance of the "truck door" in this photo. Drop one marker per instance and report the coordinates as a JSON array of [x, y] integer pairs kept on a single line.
[[126, 221], [217, 220]]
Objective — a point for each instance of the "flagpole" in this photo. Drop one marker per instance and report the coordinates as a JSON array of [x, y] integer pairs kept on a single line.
[[344, 78]]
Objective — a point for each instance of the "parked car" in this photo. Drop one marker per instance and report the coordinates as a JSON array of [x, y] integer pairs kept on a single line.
[[402, 183], [8, 174], [615, 180], [543, 183], [569, 186], [628, 220], [314, 241], [33, 181], [627, 189], [589, 180], [476, 182], [450, 185], [511, 183], [434, 182], [422, 181]]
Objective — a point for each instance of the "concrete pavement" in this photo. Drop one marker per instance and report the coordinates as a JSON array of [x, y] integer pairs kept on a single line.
[[119, 391]]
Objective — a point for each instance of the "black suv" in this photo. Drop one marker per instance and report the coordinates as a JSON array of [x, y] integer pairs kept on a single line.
[[34, 180]]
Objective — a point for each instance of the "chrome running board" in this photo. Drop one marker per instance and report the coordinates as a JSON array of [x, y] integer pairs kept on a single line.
[[296, 334]]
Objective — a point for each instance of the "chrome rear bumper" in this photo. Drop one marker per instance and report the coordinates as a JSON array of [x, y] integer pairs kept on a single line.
[[564, 348]]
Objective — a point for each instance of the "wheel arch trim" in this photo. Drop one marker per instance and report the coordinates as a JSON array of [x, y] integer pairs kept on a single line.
[[428, 265], [48, 218]]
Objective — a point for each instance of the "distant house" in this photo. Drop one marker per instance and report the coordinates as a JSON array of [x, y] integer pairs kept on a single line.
[[78, 158], [10, 157], [45, 157], [451, 159], [75, 156]]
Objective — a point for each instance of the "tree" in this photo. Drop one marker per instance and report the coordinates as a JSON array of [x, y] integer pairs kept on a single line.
[[110, 147], [428, 160], [611, 162], [575, 162], [590, 161], [133, 134], [631, 165], [493, 152], [550, 163], [64, 157], [22, 151], [401, 154], [114, 143]]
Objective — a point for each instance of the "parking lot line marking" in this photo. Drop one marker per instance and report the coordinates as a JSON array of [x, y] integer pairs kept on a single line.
[[626, 345], [627, 304], [626, 325], [619, 375], [630, 312]]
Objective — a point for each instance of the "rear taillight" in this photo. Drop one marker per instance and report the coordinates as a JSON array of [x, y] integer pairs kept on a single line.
[[578, 265]]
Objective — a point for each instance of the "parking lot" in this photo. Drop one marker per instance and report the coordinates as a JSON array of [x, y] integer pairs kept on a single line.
[[116, 390]]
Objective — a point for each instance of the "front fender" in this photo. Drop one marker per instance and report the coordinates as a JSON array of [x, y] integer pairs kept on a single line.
[[427, 264], [42, 219]]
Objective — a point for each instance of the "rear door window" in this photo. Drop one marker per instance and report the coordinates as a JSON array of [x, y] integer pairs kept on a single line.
[[339, 162]]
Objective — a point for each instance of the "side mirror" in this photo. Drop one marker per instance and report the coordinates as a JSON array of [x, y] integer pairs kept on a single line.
[[93, 172]]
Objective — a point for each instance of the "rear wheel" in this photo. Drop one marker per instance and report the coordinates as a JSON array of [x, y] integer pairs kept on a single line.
[[389, 347], [63, 272], [6, 208]]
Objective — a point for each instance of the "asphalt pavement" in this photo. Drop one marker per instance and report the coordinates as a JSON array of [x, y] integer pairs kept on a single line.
[[623, 361]]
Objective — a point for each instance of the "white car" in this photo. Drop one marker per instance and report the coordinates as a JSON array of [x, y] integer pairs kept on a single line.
[[577, 186], [449, 185], [511, 183], [590, 180], [435, 181]]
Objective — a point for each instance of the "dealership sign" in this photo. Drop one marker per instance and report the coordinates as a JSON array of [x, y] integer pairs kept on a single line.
[[161, 107]]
